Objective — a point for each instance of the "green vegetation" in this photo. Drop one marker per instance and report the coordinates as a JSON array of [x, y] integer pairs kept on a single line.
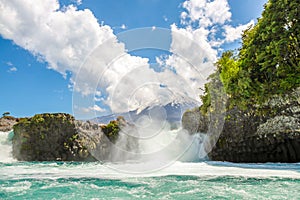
[[5, 114], [268, 62], [111, 130]]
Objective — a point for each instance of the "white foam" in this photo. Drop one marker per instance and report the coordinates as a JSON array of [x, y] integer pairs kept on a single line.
[[5, 148], [148, 168], [118, 171]]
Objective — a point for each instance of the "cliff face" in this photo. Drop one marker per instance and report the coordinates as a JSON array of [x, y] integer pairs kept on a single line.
[[52, 137], [271, 136]]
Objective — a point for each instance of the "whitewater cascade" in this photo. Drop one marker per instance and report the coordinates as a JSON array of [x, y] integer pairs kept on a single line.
[[152, 140], [6, 146]]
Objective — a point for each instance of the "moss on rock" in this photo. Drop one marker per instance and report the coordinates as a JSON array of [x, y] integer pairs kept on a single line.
[[48, 137]]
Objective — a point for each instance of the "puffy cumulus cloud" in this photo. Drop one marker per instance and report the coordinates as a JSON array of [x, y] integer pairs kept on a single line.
[[72, 40], [234, 33], [193, 45], [61, 37], [104, 67], [64, 37], [144, 87], [214, 16], [205, 12], [102, 71], [130, 83], [205, 26], [192, 57]]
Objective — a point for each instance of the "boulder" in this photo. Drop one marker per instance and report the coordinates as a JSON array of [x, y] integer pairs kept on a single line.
[[47, 137]]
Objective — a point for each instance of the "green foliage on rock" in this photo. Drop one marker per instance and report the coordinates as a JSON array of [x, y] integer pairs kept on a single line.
[[206, 100], [58, 136], [111, 130], [228, 66], [44, 137], [214, 96]]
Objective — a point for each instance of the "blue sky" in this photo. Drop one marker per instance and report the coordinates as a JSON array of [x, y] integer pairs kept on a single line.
[[35, 79]]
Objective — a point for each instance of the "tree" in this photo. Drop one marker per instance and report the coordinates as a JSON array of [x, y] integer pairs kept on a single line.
[[5, 114], [268, 62], [228, 68]]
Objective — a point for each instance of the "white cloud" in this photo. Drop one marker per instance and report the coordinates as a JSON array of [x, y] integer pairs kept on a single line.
[[97, 99], [9, 64], [199, 38], [12, 69], [234, 33], [123, 26], [142, 87], [206, 12], [90, 110], [60, 37], [72, 40], [64, 37], [97, 108], [78, 2]]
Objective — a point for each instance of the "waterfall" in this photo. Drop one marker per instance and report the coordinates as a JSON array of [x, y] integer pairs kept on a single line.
[[6, 146]]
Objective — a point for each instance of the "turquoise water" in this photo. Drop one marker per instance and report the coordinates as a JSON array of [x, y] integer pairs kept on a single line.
[[206, 180], [178, 180]]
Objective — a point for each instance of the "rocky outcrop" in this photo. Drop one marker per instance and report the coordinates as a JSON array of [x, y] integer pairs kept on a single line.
[[194, 122], [7, 123], [52, 137], [272, 135], [46, 137]]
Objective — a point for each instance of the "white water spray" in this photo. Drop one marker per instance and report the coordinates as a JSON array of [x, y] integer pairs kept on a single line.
[[154, 143], [6, 147]]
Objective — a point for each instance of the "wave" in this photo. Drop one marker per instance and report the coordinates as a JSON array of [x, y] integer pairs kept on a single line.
[[208, 169]]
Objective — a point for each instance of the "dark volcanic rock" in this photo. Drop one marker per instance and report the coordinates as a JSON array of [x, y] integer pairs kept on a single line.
[[194, 122], [271, 136], [52, 137], [92, 141], [47, 137]]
